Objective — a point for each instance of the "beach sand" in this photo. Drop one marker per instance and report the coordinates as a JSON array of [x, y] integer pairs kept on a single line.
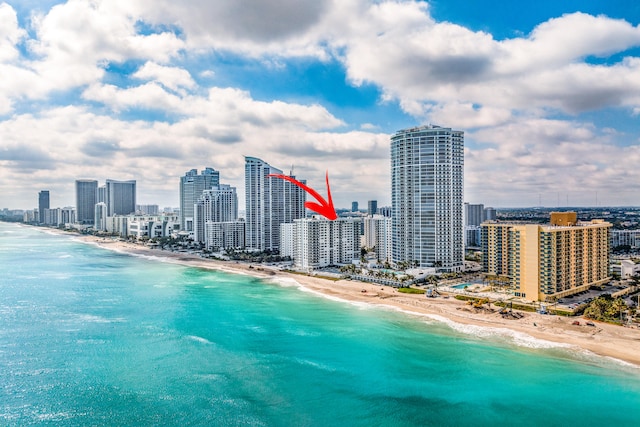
[[621, 343]]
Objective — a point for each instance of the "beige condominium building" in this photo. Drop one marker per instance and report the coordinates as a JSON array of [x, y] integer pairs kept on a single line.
[[545, 262]]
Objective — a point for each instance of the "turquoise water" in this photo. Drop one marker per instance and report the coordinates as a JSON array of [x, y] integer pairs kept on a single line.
[[92, 337], [461, 286]]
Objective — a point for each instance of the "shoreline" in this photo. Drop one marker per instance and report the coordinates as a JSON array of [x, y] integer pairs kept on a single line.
[[619, 343]]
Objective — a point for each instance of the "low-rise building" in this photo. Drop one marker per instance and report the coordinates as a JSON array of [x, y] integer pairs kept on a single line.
[[625, 268], [140, 226], [629, 238]]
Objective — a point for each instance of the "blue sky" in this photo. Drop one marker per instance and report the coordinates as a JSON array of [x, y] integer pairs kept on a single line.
[[547, 92]]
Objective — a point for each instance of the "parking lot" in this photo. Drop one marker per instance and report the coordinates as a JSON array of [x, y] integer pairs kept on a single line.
[[585, 297]]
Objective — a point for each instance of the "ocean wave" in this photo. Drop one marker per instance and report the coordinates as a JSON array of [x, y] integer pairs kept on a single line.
[[199, 339], [90, 318], [519, 339]]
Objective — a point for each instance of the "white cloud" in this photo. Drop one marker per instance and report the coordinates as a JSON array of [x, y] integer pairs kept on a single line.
[[10, 33], [173, 78], [77, 39], [505, 93]]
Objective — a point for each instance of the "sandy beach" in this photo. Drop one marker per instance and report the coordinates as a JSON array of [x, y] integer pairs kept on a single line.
[[621, 343]]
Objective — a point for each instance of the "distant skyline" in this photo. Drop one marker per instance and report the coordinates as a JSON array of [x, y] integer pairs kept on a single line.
[[547, 93]]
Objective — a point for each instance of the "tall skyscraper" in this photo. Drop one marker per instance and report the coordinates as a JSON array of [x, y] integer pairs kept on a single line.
[[121, 197], [43, 203], [100, 216], [191, 187], [269, 203], [101, 195], [372, 207], [473, 214], [427, 166], [86, 199], [354, 206], [473, 217], [219, 204]]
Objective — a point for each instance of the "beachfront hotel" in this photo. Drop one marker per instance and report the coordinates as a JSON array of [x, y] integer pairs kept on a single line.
[[269, 202], [427, 197], [191, 187], [317, 242], [546, 262]]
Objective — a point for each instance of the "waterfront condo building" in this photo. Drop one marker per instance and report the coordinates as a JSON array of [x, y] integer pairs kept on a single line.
[[269, 202], [546, 262], [43, 203], [100, 216], [86, 199], [121, 197], [216, 221], [427, 165], [378, 236], [191, 187], [318, 242]]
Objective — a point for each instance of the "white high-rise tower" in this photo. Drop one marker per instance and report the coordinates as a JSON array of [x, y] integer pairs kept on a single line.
[[269, 203], [191, 187], [427, 166]]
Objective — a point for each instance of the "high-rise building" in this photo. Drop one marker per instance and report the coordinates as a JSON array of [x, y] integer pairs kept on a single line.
[[318, 242], [219, 204], [100, 216], [546, 262], [68, 215], [148, 209], [101, 195], [427, 197], [372, 207], [473, 214], [191, 187], [269, 202], [121, 197], [490, 214], [224, 235], [473, 217], [378, 235], [43, 203], [385, 211], [86, 199], [354, 206]]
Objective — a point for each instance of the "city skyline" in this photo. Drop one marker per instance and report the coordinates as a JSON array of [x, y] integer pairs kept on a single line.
[[547, 93]]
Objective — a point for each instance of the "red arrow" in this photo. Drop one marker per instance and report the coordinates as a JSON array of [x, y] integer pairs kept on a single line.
[[324, 208]]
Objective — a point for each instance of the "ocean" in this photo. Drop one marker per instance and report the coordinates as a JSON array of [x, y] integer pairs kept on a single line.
[[94, 337]]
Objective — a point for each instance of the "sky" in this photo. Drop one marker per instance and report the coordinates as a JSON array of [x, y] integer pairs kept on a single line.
[[547, 93]]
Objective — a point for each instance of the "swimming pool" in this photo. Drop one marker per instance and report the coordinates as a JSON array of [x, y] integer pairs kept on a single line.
[[461, 286]]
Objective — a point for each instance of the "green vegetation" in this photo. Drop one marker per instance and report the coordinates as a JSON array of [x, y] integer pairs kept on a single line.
[[257, 257], [411, 291], [621, 249], [606, 309]]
